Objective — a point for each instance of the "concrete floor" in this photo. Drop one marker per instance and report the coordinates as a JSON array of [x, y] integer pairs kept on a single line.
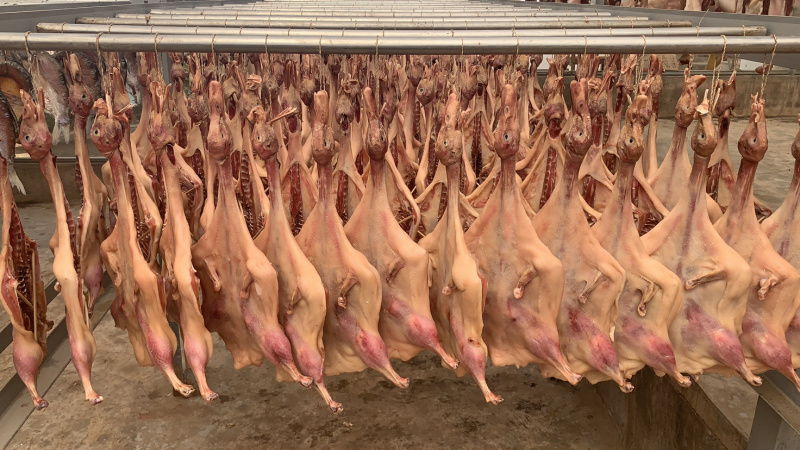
[[438, 409]]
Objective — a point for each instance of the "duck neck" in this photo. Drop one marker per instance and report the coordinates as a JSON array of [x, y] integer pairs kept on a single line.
[[325, 171], [742, 198], [697, 184]]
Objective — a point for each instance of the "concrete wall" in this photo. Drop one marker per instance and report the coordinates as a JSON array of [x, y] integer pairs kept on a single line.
[[35, 184], [782, 93], [661, 415]]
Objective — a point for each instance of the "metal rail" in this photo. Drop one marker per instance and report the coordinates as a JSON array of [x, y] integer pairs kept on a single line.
[[432, 18], [777, 25], [776, 423], [360, 13], [345, 10], [398, 45], [397, 25], [590, 32], [22, 18], [393, 11]]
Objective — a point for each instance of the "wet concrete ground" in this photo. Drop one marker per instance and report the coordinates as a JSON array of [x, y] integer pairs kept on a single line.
[[437, 410]]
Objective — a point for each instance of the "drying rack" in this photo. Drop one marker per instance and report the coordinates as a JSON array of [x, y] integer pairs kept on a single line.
[[432, 27]]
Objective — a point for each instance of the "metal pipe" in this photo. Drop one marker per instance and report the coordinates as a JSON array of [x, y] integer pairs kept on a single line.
[[368, 4], [320, 4], [393, 8], [370, 24], [342, 12], [379, 19], [345, 14], [396, 7], [266, 4], [400, 45], [444, 3], [159, 29], [323, 18]]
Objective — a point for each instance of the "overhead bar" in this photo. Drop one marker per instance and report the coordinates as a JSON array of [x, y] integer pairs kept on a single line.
[[511, 20], [162, 29], [346, 13], [306, 4], [453, 45], [367, 4], [409, 25], [392, 8]]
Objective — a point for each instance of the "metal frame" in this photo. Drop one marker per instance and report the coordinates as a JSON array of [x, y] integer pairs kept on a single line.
[[372, 23], [22, 18], [776, 424], [775, 25], [397, 45], [593, 32]]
